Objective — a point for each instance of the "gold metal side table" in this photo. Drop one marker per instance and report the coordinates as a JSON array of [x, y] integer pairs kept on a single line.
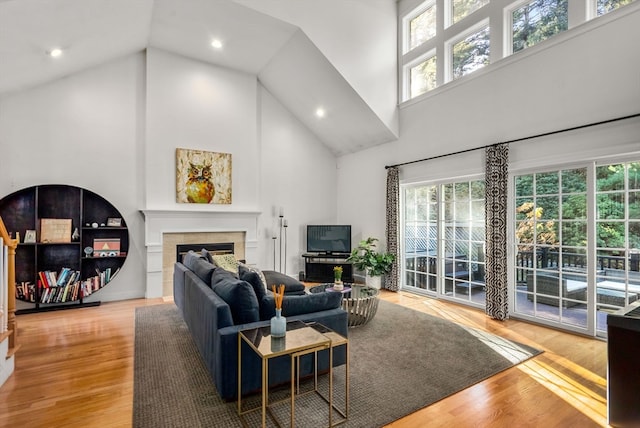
[[300, 340], [336, 340]]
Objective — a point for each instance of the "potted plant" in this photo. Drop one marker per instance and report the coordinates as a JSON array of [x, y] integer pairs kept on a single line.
[[366, 258]]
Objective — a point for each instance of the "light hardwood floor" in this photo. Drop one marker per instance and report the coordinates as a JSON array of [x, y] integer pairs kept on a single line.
[[75, 369]]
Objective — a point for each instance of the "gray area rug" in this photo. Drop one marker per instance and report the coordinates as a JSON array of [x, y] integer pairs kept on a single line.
[[402, 361]]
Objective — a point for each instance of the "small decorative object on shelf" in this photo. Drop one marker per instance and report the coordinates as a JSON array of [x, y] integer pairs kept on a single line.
[[88, 251], [114, 222], [30, 236], [75, 235], [337, 278], [278, 323]]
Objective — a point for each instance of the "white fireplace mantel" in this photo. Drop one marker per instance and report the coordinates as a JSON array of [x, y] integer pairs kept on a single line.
[[161, 221]]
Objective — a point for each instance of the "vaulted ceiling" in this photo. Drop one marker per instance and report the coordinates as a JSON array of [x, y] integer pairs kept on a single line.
[[281, 55]]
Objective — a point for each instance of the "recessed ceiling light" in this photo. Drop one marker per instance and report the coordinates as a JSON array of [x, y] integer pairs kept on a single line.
[[216, 44], [320, 112], [55, 52]]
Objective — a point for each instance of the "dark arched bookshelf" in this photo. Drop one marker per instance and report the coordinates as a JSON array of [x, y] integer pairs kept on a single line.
[[78, 241]]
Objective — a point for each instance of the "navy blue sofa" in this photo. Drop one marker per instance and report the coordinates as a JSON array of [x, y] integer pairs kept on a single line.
[[214, 319]]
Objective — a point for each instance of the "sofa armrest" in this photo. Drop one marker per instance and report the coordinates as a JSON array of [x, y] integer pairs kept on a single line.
[[291, 285], [179, 271]]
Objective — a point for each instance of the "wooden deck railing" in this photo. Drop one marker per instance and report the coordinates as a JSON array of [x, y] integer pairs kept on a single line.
[[8, 286]]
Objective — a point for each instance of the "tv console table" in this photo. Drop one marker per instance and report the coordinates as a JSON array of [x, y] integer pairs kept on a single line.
[[318, 267]]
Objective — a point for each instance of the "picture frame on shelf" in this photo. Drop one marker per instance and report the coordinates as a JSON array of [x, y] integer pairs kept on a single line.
[[114, 222], [29, 236], [106, 247], [55, 230]]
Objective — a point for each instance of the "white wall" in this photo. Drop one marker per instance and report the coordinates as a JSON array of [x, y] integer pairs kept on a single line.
[[298, 173], [84, 130], [586, 75], [114, 129], [194, 105]]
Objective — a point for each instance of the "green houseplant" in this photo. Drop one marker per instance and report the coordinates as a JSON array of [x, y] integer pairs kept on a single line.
[[365, 257]]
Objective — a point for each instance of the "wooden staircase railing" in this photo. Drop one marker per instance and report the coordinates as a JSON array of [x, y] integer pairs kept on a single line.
[[8, 290]]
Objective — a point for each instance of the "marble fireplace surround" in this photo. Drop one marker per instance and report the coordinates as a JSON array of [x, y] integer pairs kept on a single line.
[[164, 229]]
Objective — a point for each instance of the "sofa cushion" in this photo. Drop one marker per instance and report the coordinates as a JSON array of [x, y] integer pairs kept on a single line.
[[291, 285], [203, 269], [238, 294], [189, 258], [298, 305], [207, 255], [254, 280], [226, 261]]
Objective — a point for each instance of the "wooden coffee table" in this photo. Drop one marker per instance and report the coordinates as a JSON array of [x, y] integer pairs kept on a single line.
[[359, 301]]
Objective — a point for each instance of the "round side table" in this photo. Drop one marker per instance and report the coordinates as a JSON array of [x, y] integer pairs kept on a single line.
[[359, 301]]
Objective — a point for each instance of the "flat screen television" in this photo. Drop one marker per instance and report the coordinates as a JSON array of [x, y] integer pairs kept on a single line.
[[329, 239]]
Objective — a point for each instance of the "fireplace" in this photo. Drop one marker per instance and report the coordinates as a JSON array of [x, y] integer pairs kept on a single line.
[[166, 229], [213, 248]]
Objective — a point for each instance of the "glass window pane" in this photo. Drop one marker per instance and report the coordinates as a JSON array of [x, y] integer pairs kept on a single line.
[[574, 233], [547, 207], [634, 175], [537, 21], [524, 185], [610, 177], [610, 234], [574, 180], [423, 77], [634, 205], [448, 192], [463, 8], [477, 210], [634, 235], [574, 207], [610, 206], [547, 183], [524, 208], [477, 189], [471, 54], [422, 27], [606, 6], [421, 213], [462, 191]]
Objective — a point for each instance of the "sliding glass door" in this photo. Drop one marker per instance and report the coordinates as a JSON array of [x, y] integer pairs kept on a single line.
[[443, 241], [562, 217]]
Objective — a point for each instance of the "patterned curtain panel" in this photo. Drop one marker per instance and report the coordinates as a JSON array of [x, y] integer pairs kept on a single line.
[[497, 158], [393, 192]]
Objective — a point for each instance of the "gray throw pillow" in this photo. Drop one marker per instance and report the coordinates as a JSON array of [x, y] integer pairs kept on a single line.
[[254, 280], [238, 294]]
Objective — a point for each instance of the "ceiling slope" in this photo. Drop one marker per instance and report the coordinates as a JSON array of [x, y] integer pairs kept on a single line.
[[283, 58], [90, 32], [303, 80]]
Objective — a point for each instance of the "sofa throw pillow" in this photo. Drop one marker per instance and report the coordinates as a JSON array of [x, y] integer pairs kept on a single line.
[[226, 261], [291, 285], [254, 280], [203, 269], [207, 255], [238, 294], [245, 267], [299, 305]]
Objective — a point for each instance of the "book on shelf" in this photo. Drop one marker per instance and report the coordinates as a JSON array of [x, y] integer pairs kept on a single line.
[[26, 291], [54, 287]]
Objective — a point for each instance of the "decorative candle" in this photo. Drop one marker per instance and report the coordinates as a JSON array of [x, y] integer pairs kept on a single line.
[[281, 212]]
